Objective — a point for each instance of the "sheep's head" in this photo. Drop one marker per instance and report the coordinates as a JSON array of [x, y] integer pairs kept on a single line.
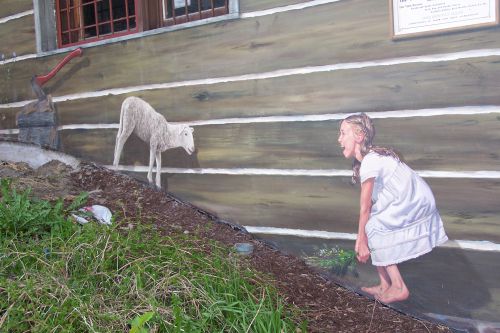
[[187, 140]]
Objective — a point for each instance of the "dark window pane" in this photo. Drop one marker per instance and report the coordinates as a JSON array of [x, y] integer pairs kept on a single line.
[[119, 9], [65, 38], [74, 36], [103, 12], [119, 25], [62, 4], [193, 8], [131, 7], [64, 21], [169, 8], [104, 29], [206, 4], [132, 23], [89, 14], [219, 3], [90, 32]]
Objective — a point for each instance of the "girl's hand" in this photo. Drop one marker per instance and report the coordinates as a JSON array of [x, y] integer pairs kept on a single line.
[[362, 250]]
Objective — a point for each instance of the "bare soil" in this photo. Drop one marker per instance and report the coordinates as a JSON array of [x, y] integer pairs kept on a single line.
[[327, 306]]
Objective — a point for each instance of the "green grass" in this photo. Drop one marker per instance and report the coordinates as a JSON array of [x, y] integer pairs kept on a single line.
[[57, 276]]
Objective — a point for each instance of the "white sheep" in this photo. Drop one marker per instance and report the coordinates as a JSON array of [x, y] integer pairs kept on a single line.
[[139, 117]]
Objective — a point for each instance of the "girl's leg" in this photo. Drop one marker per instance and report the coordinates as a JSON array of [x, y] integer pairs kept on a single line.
[[398, 290], [385, 283]]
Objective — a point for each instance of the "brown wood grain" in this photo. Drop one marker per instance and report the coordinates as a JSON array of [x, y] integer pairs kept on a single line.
[[98, 146], [255, 45], [8, 118], [399, 87], [449, 143], [11, 7], [254, 5], [18, 36], [469, 207]]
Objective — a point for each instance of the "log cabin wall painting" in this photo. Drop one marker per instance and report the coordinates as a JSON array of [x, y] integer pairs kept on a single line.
[[264, 85]]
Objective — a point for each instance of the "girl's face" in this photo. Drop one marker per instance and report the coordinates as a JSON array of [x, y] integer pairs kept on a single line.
[[349, 141]]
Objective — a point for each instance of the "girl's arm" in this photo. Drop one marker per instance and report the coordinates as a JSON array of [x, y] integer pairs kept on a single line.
[[361, 248]]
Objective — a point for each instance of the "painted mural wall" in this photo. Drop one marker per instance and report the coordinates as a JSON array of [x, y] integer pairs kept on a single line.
[[264, 93]]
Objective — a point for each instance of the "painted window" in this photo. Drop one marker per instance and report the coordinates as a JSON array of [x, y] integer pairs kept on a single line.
[[182, 11], [84, 21]]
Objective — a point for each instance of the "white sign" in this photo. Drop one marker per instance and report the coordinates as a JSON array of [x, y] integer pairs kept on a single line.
[[420, 16]]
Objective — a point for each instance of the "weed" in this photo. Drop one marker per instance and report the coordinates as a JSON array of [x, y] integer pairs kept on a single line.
[[337, 260], [23, 218], [137, 325]]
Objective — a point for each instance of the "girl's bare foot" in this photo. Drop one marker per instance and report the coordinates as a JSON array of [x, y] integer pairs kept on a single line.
[[375, 290], [394, 294]]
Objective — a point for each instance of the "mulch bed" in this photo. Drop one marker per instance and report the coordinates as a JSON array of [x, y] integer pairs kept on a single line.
[[328, 307]]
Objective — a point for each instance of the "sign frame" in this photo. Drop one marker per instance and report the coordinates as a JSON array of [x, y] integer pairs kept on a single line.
[[430, 26]]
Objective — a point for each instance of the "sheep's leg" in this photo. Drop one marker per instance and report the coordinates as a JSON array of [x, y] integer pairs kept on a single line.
[[121, 138], [158, 168], [152, 153], [118, 150]]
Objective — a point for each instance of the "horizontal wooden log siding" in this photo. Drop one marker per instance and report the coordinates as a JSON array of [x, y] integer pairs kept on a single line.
[[12, 7], [338, 33], [253, 45], [255, 5], [428, 143], [399, 87], [17, 36], [469, 207]]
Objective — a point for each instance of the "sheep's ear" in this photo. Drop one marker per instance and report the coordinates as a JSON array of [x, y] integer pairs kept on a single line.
[[192, 129]]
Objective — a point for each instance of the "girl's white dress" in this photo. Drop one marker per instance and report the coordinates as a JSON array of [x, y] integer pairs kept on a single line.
[[404, 222]]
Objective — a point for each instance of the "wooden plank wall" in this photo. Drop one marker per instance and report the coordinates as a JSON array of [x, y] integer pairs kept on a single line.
[[17, 35], [338, 33], [256, 5], [352, 32], [12, 7]]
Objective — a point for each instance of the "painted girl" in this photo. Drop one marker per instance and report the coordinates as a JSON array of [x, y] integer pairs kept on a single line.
[[398, 218]]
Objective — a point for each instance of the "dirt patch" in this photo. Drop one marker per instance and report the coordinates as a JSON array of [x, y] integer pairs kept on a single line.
[[328, 306]]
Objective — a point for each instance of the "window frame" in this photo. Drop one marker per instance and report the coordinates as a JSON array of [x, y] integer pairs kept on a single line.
[[194, 16], [81, 29], [46, 31]]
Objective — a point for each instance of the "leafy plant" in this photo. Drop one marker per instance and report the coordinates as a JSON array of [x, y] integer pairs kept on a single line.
[[26, 218], [337, 260], [137, 325]]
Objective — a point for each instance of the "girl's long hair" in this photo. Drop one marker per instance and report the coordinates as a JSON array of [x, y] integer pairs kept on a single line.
[[362, 123]]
